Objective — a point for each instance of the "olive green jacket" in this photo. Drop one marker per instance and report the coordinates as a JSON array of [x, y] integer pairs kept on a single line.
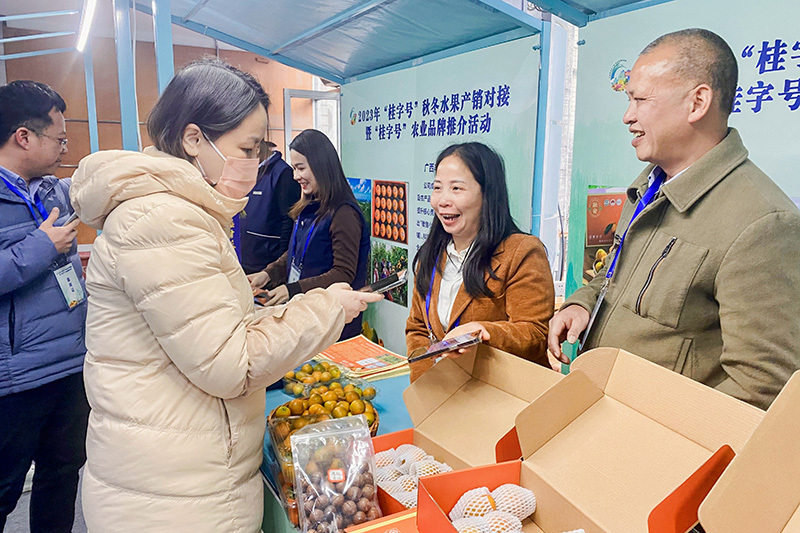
[[708, 280]]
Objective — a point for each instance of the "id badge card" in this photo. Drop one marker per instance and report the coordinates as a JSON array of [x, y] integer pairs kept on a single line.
[[294, 274], [70, 285]]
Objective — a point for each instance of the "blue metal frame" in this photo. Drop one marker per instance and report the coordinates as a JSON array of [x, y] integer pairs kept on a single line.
[[5, 18], [36, 36], [162, 30], [641, 4], [564, 11], [332, 23], [522, 19], [35, 53], [510, 35], [244, 45], [541, 128], [91, 100], [126, 75]]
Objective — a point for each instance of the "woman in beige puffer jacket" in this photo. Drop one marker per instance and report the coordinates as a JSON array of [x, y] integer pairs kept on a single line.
[[178, 359]]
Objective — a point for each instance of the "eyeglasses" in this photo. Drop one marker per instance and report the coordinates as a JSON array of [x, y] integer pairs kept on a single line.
[[62, 142]]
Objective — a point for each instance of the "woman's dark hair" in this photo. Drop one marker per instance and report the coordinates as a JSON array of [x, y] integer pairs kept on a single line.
[[488, 170], [25, 103], [209, 93], [332, 187]]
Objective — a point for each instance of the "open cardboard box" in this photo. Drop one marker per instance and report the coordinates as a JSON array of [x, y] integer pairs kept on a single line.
[[462, 407], [603, 447], [760, 490]]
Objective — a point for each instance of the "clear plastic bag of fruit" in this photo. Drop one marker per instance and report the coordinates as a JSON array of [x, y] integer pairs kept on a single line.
[[334, 475]]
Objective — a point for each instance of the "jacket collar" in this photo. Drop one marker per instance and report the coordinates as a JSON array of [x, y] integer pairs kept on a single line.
[[106, 179], [47, 184], [699, 178], [463, 298]]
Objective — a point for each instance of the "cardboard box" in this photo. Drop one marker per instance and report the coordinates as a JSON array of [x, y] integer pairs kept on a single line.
[[462, 407], [604, 446], [760, 490]]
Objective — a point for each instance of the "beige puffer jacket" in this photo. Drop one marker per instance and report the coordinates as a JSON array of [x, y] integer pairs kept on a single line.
[[177, 358]]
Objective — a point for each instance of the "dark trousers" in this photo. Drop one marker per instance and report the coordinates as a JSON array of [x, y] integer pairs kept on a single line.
[[46, 425]]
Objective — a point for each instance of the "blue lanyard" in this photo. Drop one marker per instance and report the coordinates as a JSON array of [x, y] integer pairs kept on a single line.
[[25, 197], [305, 248], [428, 307], [649, 194]]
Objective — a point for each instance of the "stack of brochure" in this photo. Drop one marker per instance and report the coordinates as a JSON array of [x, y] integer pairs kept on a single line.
[[364, 359]]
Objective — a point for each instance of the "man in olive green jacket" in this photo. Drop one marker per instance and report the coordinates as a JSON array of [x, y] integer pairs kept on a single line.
[[707, 282]]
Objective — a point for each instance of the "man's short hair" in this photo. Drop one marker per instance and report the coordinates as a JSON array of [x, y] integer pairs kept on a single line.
[[704, 57], [25, 103]]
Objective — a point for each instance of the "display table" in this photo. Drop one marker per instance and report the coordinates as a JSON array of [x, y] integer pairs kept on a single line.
[[393, 417]]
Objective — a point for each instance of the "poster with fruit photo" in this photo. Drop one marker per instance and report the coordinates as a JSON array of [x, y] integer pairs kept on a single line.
[[389, 211], [387, 260], [603, 209]]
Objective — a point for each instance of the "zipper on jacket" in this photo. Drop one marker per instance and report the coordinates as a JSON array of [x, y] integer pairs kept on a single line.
[[652, 272], [11, 321]]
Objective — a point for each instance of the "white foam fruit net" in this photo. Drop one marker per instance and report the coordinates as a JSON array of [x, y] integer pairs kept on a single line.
[[407, 499], [474, 524], [385, 458], [387, 473], [515, 500], [408, 454], [502, 522], [492, 522], [397, 471], [475, 502]]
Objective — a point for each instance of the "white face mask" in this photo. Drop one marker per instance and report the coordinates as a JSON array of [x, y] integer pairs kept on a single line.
[[238, 175]]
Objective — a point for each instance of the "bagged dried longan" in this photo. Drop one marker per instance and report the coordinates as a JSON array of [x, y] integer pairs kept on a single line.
[[334, 481]]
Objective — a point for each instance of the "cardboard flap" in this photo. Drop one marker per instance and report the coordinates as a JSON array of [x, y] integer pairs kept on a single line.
[[433, 388], [597, 364], [512, 374], [760, 490], [554, 410], [708, 417], [678, 512]]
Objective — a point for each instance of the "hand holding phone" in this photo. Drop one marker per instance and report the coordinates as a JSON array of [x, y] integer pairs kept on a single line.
[[449, 345], [386, 284], [72, 218]]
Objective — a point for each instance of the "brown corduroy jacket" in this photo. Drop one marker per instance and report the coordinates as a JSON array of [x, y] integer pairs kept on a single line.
[[516, 317]]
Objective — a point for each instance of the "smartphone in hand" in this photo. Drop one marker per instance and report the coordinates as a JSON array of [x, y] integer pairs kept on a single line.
[[449, 345], [386, 284], [72, 217]]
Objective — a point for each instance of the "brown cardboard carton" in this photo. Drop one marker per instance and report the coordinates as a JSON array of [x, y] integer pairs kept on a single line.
[[604, 446], [462, 407], [760, 489]]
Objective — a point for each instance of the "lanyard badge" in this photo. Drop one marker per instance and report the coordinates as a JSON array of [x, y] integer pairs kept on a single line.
[[295, 268], [28, 202], [431, 336], [645, 200]]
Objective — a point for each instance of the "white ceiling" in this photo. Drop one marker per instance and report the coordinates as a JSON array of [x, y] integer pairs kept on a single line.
[[103, 25]]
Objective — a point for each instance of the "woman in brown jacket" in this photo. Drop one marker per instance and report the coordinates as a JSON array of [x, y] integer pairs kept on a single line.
[[477, 271]]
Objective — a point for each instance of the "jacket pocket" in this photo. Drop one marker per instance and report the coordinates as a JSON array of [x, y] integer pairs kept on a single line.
[[685, 364], [649, 279], [661, 283], [227, 432]]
